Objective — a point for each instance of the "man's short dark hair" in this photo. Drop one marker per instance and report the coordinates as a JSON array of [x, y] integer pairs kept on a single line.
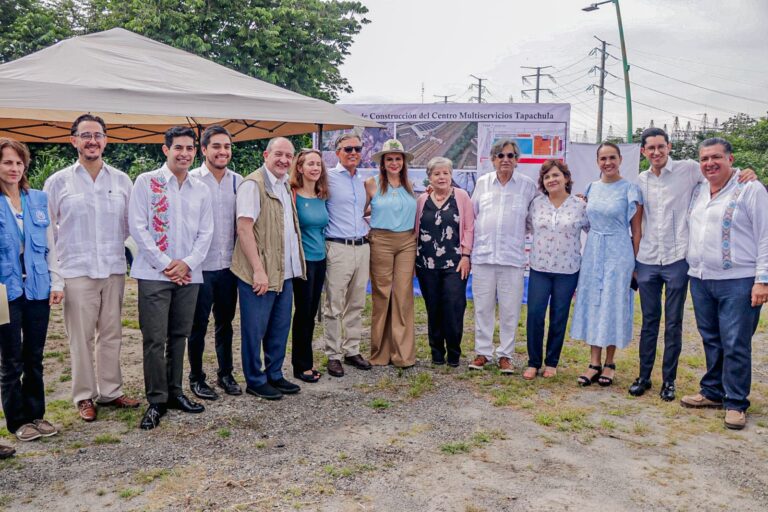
[[653, 132], [714, 141], [214, 129], [88, 117], [178, 131]]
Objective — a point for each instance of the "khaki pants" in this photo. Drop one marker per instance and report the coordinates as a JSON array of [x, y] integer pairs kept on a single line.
[[346, 278], [92, 317], [393, 256]]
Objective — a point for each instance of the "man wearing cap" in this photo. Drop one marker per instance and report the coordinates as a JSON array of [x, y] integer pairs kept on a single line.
[[728, 267], [170, 218], [347, 259], [268, 255], [218, 292], [89, 211]]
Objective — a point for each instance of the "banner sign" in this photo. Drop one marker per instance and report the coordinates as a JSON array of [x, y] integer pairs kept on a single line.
[[462, 132]]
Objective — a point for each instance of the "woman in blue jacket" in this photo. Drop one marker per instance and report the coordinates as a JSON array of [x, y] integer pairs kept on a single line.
[[28, 269]]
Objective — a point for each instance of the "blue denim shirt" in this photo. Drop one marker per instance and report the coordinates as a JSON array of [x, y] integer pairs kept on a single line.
[[346, 205], [37, 285]]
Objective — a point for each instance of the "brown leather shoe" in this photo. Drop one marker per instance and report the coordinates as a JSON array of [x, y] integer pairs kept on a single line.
[[87, 410], [478, 363], [699, 401], [735, 420], [358, 362], [506, 366], [334, 368], [122, 402]]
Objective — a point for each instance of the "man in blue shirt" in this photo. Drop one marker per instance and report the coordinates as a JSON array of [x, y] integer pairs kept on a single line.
[[348, 256]]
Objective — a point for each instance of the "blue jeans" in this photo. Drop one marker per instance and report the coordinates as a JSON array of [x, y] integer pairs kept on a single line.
[[650, 279], [726, 321], [557, 291], [265, 320]]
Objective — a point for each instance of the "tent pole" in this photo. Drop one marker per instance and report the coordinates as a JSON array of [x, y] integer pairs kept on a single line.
[[319, 137]]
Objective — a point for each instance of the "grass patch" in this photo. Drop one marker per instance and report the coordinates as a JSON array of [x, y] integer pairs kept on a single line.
[[420, 384], [131, 323], [567, 420], [456, 447], [379, 404], [347, 471], [106, 439], [61, 413], [224, 433], [150, 475], [58, 355], [260, 444], [128, 493]]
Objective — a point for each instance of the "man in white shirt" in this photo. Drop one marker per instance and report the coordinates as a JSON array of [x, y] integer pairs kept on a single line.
[[88, 202], [171, 221], [219, 289], [728, 260], [667, 188], [267, 256], [501, 201]]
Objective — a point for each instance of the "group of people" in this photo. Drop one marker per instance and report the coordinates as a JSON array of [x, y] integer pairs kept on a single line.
[[275, 239]]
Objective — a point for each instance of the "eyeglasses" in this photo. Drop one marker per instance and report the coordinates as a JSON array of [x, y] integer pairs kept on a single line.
[[511, 156], [350, 149], [94, 136]]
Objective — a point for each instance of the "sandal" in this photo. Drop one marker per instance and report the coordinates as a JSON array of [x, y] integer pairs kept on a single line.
[[311, 378], [549, 372], [607, 381], [530, 373], [586, 380]]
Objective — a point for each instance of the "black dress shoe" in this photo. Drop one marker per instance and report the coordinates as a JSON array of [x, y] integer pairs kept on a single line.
[[265, 391], [201, 389], [639, 387], [152, 416], [334, 368], [667, 392], [285, 386], [184, 404], [229, 385], [358, 362]]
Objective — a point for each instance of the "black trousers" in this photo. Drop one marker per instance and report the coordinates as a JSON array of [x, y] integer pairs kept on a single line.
[[306, 299], [21, 361], [218, 293], [650, 279], [165, 316], [445, 297]]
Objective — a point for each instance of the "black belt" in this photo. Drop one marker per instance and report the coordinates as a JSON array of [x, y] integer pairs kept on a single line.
[[348, 241]]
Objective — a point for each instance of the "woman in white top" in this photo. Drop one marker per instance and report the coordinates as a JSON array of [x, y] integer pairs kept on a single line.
[[555, 221]]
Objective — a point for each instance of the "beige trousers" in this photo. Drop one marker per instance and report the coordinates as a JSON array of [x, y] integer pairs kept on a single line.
[[346, 276], [393, 256], [92, 317]]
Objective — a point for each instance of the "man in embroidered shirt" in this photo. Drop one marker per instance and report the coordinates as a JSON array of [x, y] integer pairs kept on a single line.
[[219, 288], [89, 211], [728, 260], [501, 201], [171, 220], [267, 256], [667, 188], [347, 259]]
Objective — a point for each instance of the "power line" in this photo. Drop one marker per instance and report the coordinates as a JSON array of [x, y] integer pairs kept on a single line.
[[697, 62], [538, 76], [683, 99]]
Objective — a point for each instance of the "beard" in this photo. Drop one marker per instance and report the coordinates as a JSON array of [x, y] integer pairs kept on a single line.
[[212, 165], [89, 158]]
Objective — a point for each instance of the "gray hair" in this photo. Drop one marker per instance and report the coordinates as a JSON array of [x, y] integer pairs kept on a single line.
[[499, 146], [346, 136], [439, 161], [714, 141], [275, 140]]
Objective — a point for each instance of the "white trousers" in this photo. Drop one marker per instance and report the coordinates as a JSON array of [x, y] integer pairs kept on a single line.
[[488, 283]]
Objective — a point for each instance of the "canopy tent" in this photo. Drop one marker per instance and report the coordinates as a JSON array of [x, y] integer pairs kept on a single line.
[[141, 88]]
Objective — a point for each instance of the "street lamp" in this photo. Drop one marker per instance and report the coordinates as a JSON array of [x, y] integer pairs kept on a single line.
[[594, 7]]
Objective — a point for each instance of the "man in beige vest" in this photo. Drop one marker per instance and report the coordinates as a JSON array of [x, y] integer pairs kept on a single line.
[[267, 256]]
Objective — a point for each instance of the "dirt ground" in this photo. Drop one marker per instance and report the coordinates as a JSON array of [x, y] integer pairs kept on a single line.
[[423, 439]]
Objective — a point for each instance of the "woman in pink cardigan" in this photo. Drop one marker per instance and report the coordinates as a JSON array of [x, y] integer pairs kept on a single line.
[[445, 225]]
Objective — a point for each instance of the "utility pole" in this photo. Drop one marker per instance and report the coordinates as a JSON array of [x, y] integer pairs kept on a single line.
[[601, 92], [445, 97], [422, 92], [480, 88], [538, 76]]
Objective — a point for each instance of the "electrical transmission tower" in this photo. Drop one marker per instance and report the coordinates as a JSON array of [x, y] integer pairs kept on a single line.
[[538, 76], [444, 96], [480, 89], [601, 87]]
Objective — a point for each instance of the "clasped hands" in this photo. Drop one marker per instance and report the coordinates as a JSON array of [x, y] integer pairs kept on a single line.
[[178, 272]]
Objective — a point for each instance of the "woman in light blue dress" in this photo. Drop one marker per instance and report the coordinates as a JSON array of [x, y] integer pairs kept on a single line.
[[603, 312]]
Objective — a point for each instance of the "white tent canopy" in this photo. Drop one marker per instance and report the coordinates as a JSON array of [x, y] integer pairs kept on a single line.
[[141, 88]]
